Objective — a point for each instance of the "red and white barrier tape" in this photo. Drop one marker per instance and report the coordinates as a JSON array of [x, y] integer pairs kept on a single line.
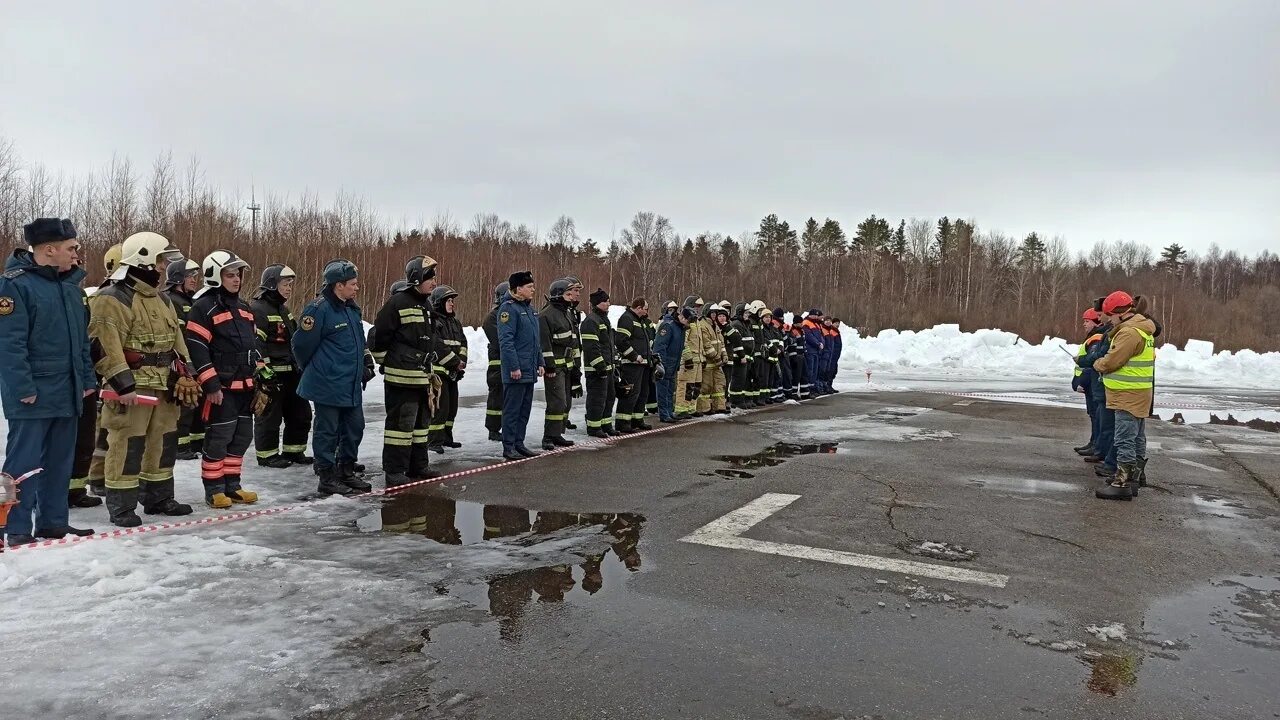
[[231, 517], [1041, 398]]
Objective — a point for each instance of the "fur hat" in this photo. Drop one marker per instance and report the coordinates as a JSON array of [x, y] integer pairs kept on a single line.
[[339, 271], [520, 279], [599, 296], [47, 230]]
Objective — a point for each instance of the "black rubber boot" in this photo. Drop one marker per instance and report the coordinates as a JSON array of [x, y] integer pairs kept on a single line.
[[122, 505], [436, 448], [60, 532], [396, 479], [299, 458], [1119, 488], [187, 454], [80, 498], [331, 484], [279, 462], [157, 499], [495, 436], [16, 540], [453, 444], [568, 425], [347, 476]]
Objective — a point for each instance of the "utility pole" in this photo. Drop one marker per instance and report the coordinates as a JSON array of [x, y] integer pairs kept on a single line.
[[254, 208]]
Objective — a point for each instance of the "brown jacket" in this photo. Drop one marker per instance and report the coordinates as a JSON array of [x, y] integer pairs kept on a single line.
[[1125, 343]]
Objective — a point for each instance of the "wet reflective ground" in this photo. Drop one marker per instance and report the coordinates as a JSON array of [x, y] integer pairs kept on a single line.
[[1166, 607]]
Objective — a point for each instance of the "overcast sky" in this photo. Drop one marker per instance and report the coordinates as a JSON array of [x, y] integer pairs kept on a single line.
[[1150, 121]]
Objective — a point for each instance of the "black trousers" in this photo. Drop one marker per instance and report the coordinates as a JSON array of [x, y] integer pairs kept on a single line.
[[631, 408], [287, 408], [493, 405], [405, 437], [740, 383], [86, 437], [799, 383], [557, 393], [228, 432], [441, 430], [651, 392], [760, 378], [190, 429], [600, 399]]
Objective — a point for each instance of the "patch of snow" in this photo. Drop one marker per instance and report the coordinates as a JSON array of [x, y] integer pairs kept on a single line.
[[1110, 631]]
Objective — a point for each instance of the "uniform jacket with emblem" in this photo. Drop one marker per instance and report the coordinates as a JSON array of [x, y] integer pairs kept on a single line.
[[44, 346], [669, 344], [329, 349], [519, 344]]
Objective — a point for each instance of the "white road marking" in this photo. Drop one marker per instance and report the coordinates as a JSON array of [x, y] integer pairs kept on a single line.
[[1195, 464], [726, 532], [963, 403]]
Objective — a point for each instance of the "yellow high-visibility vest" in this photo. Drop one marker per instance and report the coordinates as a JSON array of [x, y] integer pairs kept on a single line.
[[1137, 374]]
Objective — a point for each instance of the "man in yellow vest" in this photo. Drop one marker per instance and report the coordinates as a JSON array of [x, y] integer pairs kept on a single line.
[[1128, 374]]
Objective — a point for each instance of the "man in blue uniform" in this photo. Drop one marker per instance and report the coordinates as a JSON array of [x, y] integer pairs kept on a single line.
[[521, 356], [669, 346], [43, 383], [329, 348]]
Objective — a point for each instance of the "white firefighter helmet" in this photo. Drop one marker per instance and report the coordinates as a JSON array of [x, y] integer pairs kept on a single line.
[[111, 258], [145, 249], [218, 261]]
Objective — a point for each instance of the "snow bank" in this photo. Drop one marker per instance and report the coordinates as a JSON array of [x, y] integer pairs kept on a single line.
[[945, 350]]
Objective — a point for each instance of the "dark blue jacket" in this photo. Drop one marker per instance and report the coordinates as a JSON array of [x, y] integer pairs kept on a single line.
[[668, 344], [44, 340], [836, 342], [518, 340], [813, 337], [1091, 380], [329, 349]]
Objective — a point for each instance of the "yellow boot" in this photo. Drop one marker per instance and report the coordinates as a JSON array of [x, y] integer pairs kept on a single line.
[[218, 501], [240, 495]]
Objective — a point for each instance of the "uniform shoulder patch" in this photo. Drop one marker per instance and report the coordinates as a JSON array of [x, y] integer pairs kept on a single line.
[[504, 316], [662, 330], [307, 323], [16, 272], [6, 306]]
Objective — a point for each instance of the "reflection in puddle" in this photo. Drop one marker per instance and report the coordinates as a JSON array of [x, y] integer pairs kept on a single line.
[[1112, 673], [460, 522], [1266, 420], [778, 454]]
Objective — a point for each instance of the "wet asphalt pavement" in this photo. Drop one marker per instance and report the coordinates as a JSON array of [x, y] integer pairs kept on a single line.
[[1164, 607]]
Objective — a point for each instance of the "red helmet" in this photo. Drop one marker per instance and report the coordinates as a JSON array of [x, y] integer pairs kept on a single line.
[[1115, 301], [1090, 314]]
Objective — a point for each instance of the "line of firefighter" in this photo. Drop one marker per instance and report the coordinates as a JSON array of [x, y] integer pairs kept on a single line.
[[696, 361], [190, 370], [1115, 371]]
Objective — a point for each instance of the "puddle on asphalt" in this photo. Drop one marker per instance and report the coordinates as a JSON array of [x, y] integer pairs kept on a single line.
[[1109, 674], [1265, 420], [461, 522], [772, 456], [1022, 485], [1220, 506]]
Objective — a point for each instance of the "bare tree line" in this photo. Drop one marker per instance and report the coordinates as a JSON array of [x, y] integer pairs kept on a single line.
[[908, 274]]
